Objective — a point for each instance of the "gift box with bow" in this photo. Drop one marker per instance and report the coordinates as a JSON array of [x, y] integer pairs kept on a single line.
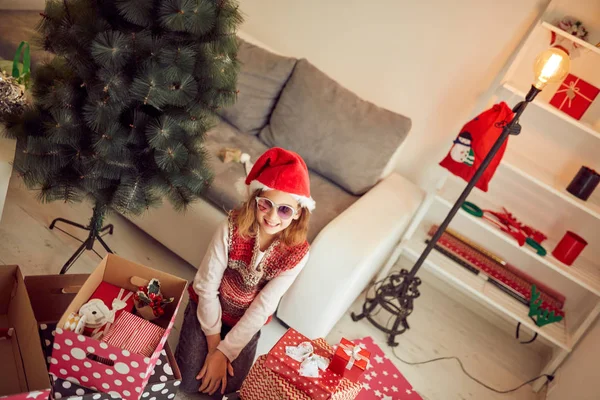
[[266, 382], [350, 360], [574, 96], [304, 364]]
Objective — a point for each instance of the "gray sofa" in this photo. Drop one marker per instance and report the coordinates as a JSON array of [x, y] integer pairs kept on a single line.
[[346, 142]]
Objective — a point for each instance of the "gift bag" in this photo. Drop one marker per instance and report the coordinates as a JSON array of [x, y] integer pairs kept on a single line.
[[474, 142]]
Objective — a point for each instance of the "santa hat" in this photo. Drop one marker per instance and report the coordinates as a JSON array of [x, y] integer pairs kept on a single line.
[[283, 170]]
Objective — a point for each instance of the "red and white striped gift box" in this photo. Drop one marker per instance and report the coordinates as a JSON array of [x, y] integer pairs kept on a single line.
[[135, 334]]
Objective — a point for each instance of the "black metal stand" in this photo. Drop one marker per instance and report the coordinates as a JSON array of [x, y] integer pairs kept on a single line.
[[95, 229], [396, 293]]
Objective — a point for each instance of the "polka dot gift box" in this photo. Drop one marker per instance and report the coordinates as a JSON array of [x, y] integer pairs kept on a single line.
[[279, 374], [103, 367], [162, 385]]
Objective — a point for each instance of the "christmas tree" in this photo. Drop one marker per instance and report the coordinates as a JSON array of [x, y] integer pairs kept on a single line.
[[119, 115]]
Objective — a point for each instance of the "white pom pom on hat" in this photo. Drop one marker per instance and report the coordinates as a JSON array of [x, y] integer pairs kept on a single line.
[[283, 170]]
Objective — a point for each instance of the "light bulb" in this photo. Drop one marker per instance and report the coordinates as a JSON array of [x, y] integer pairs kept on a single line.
[[552, 65]]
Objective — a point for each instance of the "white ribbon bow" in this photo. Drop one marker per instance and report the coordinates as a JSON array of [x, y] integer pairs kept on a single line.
[[354, 353], [311, 363], [118, 303]]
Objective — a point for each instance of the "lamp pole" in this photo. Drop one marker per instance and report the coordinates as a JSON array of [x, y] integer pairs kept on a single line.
[[396, 293], [512, 127]]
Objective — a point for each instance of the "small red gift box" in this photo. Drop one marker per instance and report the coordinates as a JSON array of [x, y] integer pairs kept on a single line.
[[574, 96], [350, 360], [134, 334], [310, 375], [101, 315]]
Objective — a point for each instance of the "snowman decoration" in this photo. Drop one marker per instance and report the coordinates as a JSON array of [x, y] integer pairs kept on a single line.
[[462, 151]]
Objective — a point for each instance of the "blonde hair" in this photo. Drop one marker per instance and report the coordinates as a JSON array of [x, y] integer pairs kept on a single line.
[[245, 218]]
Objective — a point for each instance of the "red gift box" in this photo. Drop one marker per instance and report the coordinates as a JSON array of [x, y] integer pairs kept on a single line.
[[134, 334], [283, 359], [264, 384], [349, 360], [115, 300], [574, 96]]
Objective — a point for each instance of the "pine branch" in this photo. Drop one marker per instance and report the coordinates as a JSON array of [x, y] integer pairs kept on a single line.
[[111, 49], [171, 158], [193, 16], [183, 91], [149, 88], [163, 131], [137, 12]]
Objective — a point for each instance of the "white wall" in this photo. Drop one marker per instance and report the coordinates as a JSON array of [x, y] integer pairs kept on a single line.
[[428, 59], [579, 376]]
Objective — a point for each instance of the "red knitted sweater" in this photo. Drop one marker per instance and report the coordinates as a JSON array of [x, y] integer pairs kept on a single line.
[[241, 284]]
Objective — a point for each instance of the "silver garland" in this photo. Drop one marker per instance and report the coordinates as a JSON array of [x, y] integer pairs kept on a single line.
[[12, 96]]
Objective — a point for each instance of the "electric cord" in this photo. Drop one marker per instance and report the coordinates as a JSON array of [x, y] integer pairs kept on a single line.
[[549, 378]]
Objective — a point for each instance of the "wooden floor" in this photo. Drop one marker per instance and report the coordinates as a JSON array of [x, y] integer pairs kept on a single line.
[[440, 325]]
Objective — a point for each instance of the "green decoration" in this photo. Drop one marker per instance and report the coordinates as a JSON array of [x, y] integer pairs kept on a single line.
[[120, 114], [143, 298], [22, 74], [541, 316]]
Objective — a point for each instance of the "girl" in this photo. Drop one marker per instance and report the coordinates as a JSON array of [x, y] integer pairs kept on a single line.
[[253, 259]]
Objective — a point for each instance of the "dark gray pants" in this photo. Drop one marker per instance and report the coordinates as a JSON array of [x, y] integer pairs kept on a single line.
[[192, 350]]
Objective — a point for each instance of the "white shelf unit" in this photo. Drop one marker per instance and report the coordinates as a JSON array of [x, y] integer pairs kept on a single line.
[[553, 110], [586, 45], [531, 183], [583, 272], [480, 288]]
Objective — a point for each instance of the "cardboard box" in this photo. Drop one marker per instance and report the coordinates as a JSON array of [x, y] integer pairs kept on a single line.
[[50, 295], [22, 370], [97, 365]]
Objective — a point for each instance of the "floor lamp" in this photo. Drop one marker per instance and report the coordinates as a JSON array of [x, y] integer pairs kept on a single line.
[[396, 292]]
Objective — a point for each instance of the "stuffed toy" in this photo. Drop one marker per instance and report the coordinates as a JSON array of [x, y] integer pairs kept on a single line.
[[474, 142], [105, 305]]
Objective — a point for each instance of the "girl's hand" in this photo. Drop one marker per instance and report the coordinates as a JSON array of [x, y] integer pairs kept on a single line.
[[212, 342], [214, 373]]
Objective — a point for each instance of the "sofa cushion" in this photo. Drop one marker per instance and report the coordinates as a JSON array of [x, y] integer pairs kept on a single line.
[[331, 199], [260, 80], [339, 135]]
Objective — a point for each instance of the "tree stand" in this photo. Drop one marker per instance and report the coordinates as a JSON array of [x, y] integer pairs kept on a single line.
[[95, 229]]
